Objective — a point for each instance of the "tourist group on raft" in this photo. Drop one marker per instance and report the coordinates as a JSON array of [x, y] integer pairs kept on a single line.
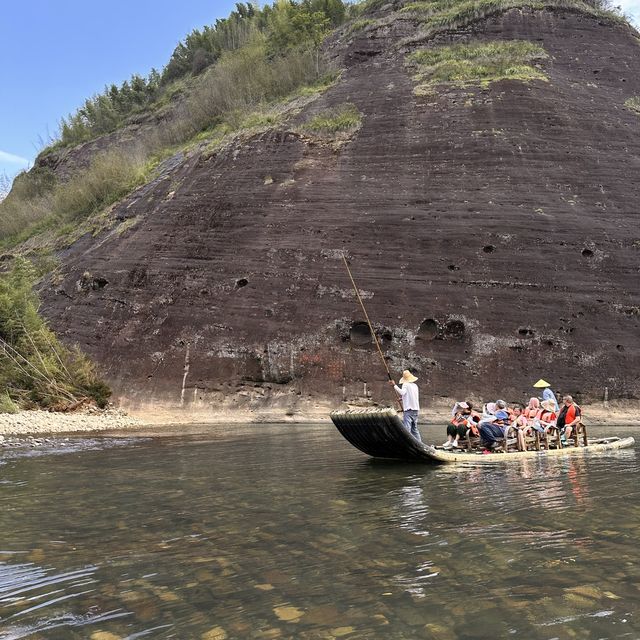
[[492, 423]]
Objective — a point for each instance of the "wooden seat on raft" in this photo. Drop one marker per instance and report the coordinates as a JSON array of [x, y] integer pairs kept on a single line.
[[550, 438], [578, 434], [471, 442], [531, 439], [510, 440]]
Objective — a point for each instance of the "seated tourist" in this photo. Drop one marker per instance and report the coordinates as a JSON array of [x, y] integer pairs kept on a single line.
[[569, 416], [489, 409], [462, 420], [548, 415], [492, 431], [519, 421], [532, 410], [473, 420]]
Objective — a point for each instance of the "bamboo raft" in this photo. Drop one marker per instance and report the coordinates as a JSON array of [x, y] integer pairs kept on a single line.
[[381, 434]]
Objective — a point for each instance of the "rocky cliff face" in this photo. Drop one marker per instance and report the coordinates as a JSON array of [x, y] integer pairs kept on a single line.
[[493, 231]]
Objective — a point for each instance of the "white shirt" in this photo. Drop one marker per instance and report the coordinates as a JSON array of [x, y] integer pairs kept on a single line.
[[409, 393]]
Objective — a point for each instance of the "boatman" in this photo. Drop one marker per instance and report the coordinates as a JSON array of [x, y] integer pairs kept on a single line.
[[547, 394], [410, 402]]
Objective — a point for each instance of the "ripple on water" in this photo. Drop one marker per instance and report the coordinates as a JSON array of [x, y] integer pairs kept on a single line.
[[27, 588], [281, 532]]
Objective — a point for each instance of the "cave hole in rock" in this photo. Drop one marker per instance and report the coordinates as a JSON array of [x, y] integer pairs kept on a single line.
[[587, 253], [359, 333], [453, 267], [242, 282], [428, 330], [526, 332], [488, 248], [99, 283], [454, 330], [619, 347]]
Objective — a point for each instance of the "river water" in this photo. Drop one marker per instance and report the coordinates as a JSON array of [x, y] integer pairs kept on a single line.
[[288, 532]]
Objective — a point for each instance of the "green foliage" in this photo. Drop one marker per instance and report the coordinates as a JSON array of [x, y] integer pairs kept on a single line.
[[110, 176], [245, 79], [286, 25], [346, 117], [478, 63], [32, 184], [29, 210], [107, 111], [359, 25], [633, 104], [7, 405], [369, 6], [36, 370], [444, 15]]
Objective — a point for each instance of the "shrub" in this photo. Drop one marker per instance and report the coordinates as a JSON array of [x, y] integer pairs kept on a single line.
[[245, 79], [7, 405], [35, 368], [26, 211], [478, 63], [110, 176]]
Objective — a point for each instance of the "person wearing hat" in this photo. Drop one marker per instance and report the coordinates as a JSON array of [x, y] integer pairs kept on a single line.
[[547, 394], [410, 402], [548, 415]]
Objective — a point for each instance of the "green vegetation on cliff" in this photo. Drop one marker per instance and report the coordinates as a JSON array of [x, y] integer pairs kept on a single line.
[[439, 16], [283, 27], [36, 370], [346, 117], [633, 104], [477, 63]]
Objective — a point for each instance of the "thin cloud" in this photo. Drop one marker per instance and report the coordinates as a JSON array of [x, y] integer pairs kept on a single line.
[[10, 158], [632, 9]]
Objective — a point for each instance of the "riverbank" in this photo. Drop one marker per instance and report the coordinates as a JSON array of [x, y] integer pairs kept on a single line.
[[92, 421], [43, 422]]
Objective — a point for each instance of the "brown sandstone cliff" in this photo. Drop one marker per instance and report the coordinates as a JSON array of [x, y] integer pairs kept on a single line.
[[494, 233]]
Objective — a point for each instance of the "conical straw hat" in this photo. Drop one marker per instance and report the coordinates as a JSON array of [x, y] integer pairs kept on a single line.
[[541, 384], [407, 376]]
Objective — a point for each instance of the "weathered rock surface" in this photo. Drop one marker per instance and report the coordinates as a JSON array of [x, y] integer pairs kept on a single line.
[[494, 234]]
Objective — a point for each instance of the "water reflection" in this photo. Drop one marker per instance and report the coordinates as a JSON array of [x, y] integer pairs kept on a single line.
[[288, 533]]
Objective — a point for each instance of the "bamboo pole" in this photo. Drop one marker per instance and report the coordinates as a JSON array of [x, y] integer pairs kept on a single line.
[[366, 315]]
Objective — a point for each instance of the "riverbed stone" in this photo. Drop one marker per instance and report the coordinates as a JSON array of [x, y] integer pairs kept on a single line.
[[288, 613], [340, 632], [216, 633]]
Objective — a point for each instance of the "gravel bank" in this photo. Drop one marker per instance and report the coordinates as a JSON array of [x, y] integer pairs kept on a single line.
[[36, 422]]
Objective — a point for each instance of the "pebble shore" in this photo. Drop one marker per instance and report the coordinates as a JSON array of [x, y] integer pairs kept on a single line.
[[44, 422]]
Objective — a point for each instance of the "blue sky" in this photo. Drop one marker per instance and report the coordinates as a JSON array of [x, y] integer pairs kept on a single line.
[[56, 53]]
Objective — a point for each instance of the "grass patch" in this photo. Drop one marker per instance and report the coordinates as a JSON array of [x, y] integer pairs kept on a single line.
[[344, 118], [477, 64], [359, 25], [633, 104], [111, 176], [439, 16]]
